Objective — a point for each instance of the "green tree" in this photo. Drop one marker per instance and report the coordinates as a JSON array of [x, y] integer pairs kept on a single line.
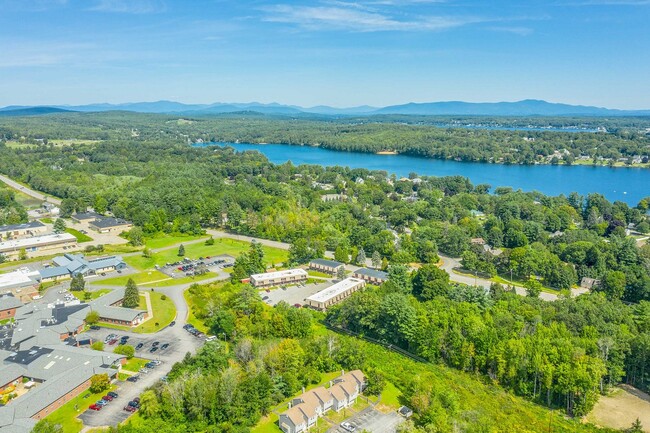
[[613, 284], [136, 236], [430, 281], [376, 259], [131, 295], [22, 254], [126, 350], [97, 345], [100, 205], [149, 404], [77, 283], [99, 383], [3, 258], [341, 254], [340, 273], [47, 426], [636, 427], [146, 253], [399, 279], [92, 318], [181, 250], [209, 241], [59, 225], [533, 288]]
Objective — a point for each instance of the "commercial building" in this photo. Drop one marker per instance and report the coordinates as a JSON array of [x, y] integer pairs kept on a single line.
[[80, 217], [32, 228], [107, 225], [328, 266], [110, 310], [372, 276], [305, 409], [38, 245], [18, 279], [277, 278], [335, 293], [69, 265], [8, 305]]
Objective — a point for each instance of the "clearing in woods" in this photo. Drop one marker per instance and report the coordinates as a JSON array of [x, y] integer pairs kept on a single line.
[[621, 408]]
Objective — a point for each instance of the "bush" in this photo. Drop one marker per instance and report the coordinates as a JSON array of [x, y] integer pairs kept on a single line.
[[126, 350], [92, 318], [97, 345], [99, 383], [163, 297]]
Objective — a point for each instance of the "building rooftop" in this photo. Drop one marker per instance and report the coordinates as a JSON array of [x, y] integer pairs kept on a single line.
[[36, 241], [335, 290], [279, 274], [23, 226], [104, 223], [328, 263], [104, 306], [82, 216], [9, 301], [374, 273]]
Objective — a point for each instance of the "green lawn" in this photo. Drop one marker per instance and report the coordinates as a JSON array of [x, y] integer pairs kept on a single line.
[[67, 414], [273, 256], [390, 396], [318, 274], [168, 241], [164, 312], [134, 364], [139, 278], [81, 238], [93, 295], [47, 220], [192, 319]]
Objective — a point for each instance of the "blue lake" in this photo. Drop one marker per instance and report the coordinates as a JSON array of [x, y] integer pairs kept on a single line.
[[625, 184]]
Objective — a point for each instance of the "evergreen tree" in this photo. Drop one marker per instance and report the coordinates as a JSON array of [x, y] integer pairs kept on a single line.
[[59, 225], [77, 283], [181, 251], [361, 257], [376, 259], [256, 258], [340, 273], [131, 295]]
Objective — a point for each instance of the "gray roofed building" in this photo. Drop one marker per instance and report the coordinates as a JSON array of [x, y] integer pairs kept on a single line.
[[9, 301], [30, 228], [373, 276], [329, 266], [109, 310], [69, 265], [86, 216], [104, 225]]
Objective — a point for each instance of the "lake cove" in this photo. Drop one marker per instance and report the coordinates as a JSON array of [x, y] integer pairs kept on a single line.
[[629, 185]]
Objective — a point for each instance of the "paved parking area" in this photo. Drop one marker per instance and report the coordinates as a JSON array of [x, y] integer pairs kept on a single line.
[[373, 421], [292, 294], [214, 264]]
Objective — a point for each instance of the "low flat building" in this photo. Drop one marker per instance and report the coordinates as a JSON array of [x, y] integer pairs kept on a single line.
[[335, 293], [589, 283], [108, 225], [33, 228], [110, 310], [8, 305], [18, 279], [328, 266], [85, 216], [38, 245], [372, 276], [69, 265], [304, 410], [278, 278]]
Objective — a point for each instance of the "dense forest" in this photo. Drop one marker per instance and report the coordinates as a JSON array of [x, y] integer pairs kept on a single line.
[[562, 354], [416, 136], [11, 212]]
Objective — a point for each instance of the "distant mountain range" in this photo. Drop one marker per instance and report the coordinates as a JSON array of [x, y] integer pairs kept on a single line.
[[528, 107]]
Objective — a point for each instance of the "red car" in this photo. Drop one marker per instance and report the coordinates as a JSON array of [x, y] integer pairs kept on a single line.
[[129, 408], [95, 407], [110, 343], [107, 398]]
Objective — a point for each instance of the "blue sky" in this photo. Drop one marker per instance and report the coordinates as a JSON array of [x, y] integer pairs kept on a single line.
[[334, 52]]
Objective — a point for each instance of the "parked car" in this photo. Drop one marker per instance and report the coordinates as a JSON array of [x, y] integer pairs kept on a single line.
[[107, 398], [150, 365], [101, 402], [349, 427], [95, 327], [113, 341], [95, 407], [139, 346], [153, 349], [125, 337], [172, 323], [155, 343], [133, 379], [134, 404], [129, 408], [157, 362], [113, 394]]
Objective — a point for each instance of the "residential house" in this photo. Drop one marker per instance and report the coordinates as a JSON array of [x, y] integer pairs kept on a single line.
[[328, 266], [372, 276]]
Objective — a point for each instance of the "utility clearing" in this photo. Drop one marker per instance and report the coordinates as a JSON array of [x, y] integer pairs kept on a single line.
[[621, 408]]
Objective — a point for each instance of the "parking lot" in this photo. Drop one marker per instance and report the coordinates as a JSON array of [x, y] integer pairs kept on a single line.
[[373, 421], [292, 294], [188, 267]]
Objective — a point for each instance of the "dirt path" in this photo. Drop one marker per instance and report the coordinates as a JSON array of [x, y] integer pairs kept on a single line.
[[621, 408]]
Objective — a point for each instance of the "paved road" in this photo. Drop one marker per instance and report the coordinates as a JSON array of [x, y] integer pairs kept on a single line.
[[28, 191]]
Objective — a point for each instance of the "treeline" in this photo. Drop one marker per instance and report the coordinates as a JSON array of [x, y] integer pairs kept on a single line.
[[560, 354], [11, 212]]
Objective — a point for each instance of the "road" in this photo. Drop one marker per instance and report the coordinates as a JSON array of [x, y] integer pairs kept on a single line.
[[29, 192]]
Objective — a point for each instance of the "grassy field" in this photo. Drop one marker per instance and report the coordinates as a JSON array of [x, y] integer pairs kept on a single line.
[[139, 278], [47, 220], [81, 238], [621, 408], [66, 415], [273, 256], [318, 274], [192, 319], [93, 295], [134, 364], [168, 241]]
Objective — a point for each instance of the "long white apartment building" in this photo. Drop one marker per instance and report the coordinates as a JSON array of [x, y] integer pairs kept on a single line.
[[335, 293], [279, 278]]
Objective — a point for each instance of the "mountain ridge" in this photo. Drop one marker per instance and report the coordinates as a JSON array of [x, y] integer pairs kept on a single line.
[[526, 107]]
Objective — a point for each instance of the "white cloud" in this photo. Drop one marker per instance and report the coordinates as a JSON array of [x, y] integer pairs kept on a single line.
[[521, 31], [129, 6], [356, 19]]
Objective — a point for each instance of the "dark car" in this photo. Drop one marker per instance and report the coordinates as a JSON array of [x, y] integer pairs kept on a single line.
[[125, 337], [137, 400], [155, 343], [134, 404], [150, 365], [153, 349], [173, 322], [164, 346], [132, 379], [95, 328], [139, 346], [113, 394]]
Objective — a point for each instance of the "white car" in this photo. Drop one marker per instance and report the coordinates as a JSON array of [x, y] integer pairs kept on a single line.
[[349, 427]]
